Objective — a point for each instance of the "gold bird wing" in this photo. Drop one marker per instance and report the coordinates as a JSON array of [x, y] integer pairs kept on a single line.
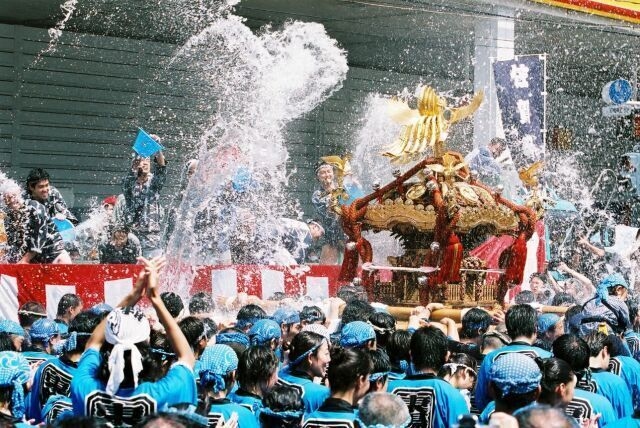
[[529, 175], [401, 113], [460, 113]]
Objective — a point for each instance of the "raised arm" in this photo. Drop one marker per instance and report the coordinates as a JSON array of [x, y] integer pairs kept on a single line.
[[174, 334]]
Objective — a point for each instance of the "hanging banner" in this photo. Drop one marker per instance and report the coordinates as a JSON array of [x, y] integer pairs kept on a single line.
[[615, 9], [520, 91]]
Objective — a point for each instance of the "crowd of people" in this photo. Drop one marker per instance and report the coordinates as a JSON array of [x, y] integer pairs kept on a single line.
[[40, 228], [156, 360]]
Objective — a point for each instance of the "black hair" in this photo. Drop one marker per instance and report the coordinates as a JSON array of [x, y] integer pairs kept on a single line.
[[357, 310], [347, 365], [429, 347], [384, 325], [347, 293], [563, 299], [173, 303], [201, 303], [161, 357], [193, 330], [632, 304], [494, 340], [85, 322], [380, 362], [257, 365], [475, 323], [398, 348], [597, 341], [554, 372], [458, 358], [30, 313], [148, 364], [210, 327], [251, 313], [525, 296], [569, 326], [6, 342], [617, 346], [521, 320], [574, 350], [311, 315], [542, 415], [302, 342], [282, 398], [68, 301], [36, 175]]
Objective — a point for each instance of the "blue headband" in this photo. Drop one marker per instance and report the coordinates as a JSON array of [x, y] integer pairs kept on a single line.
[[290, 414], [304, 355], [233, 337]]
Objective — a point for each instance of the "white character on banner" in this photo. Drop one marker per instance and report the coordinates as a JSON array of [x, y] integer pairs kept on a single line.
[[519, 76], [524, 110]]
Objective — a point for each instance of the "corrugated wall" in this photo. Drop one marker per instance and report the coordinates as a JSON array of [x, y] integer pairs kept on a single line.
[[75, 112]]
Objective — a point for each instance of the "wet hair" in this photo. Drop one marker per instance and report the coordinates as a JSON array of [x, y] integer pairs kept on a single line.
[[347, 293], [282, 398], [429, 347], [210, 327], [303, 342], [36, 175], [574, 350], [554, 372], [68, 301], [6, 342], [347, 365], [398, 348], [357, 310], [30, 312], [632, 304], [384, 325], [617, 347], [312, 314], [193, 330], [173, 302], [380, 362], [201, 303], [597, 341], [84, 323], [256, 365], [249, 314], [161, 357], [563, 299], [459, 358], [521, 320], [569, 326], [475, 323], [525, 296]]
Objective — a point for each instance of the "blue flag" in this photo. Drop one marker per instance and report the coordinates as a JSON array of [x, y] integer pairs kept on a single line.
[[520, 92], [146, 146]]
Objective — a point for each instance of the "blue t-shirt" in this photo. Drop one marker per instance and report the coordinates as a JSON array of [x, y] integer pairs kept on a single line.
[[332, 413], [313, 395], [611, 387], [246, 399], [482, 385], [57, 407], [53, 377], [587, 404], [89, 397], [221, 411], [432, 401], [629, 370]]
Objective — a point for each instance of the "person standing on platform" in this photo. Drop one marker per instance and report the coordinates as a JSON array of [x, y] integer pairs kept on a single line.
[[32, 236], [334, 237], [39, 189], [143, 213], [122, 247]]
